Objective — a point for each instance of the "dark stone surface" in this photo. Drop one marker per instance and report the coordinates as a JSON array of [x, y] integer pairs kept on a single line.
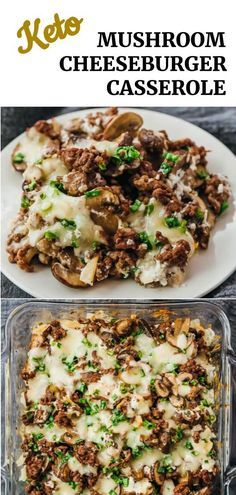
[[221, 122]]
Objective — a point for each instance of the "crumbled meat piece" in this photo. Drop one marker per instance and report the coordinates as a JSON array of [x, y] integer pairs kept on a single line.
[[217, 192], [50, 129], [35, 466], [86, 453], [181, 489], [90, 377], [87, 160], [176, 255], [126, 238], [62, 419], [162, 192], [151, 141], [161, 238]]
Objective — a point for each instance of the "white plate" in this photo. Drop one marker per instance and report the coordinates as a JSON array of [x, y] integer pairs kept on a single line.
[[207, 269]]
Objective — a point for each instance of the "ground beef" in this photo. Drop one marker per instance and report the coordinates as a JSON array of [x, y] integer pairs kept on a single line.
[[35, 466], [126, 238], [181, 489], [162, 192], [62, 419], [50, 129], [86, 453], [175, 255], [151, 141], [90, 377], [215, 198], [87, 160]]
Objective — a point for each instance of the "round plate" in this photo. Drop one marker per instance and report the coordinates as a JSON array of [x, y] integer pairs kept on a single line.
[[207, 269]]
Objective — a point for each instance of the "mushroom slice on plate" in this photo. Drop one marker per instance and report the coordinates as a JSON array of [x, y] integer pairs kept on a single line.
[[125, 122], [99, 212], [73, 278]]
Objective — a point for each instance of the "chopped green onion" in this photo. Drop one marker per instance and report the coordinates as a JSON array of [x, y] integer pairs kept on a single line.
[[149, 209], [93, 193], [171, 157], [18, 157], [135, 206], [25, 202], [199, 214], [165, 168], [102, 166], [223, 207], [32, 185], [50, 235], [57, 185], [172, 222], [68, 224], [202, 174]]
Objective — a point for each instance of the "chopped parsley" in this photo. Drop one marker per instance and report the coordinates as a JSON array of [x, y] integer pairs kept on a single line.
[[63, 457], [120, 480], [178, 434]]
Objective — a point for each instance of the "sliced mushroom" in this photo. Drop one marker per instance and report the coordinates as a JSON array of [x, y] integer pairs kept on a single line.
[[180, 337], [123, 326], [67, 277], [107, 220], [20, 165], [161, 389], [125, 122], [99, 212]]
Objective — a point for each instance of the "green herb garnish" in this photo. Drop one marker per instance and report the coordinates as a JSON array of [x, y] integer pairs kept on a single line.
[[18, 157], [51, 236], [135, 206], [93, 193], [68, 224]]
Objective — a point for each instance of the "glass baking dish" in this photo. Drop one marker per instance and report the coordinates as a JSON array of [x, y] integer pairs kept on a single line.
[[17, 336]]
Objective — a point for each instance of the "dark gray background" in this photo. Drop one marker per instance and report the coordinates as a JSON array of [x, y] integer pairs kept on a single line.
[[221, 122], [228, 305]]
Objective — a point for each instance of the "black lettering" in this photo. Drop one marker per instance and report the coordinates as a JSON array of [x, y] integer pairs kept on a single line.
[[215, 39], [109, 88], [107, 40], [63, 61]]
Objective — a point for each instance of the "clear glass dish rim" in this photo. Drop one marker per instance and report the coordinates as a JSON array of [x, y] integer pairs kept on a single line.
[[228, 359]]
